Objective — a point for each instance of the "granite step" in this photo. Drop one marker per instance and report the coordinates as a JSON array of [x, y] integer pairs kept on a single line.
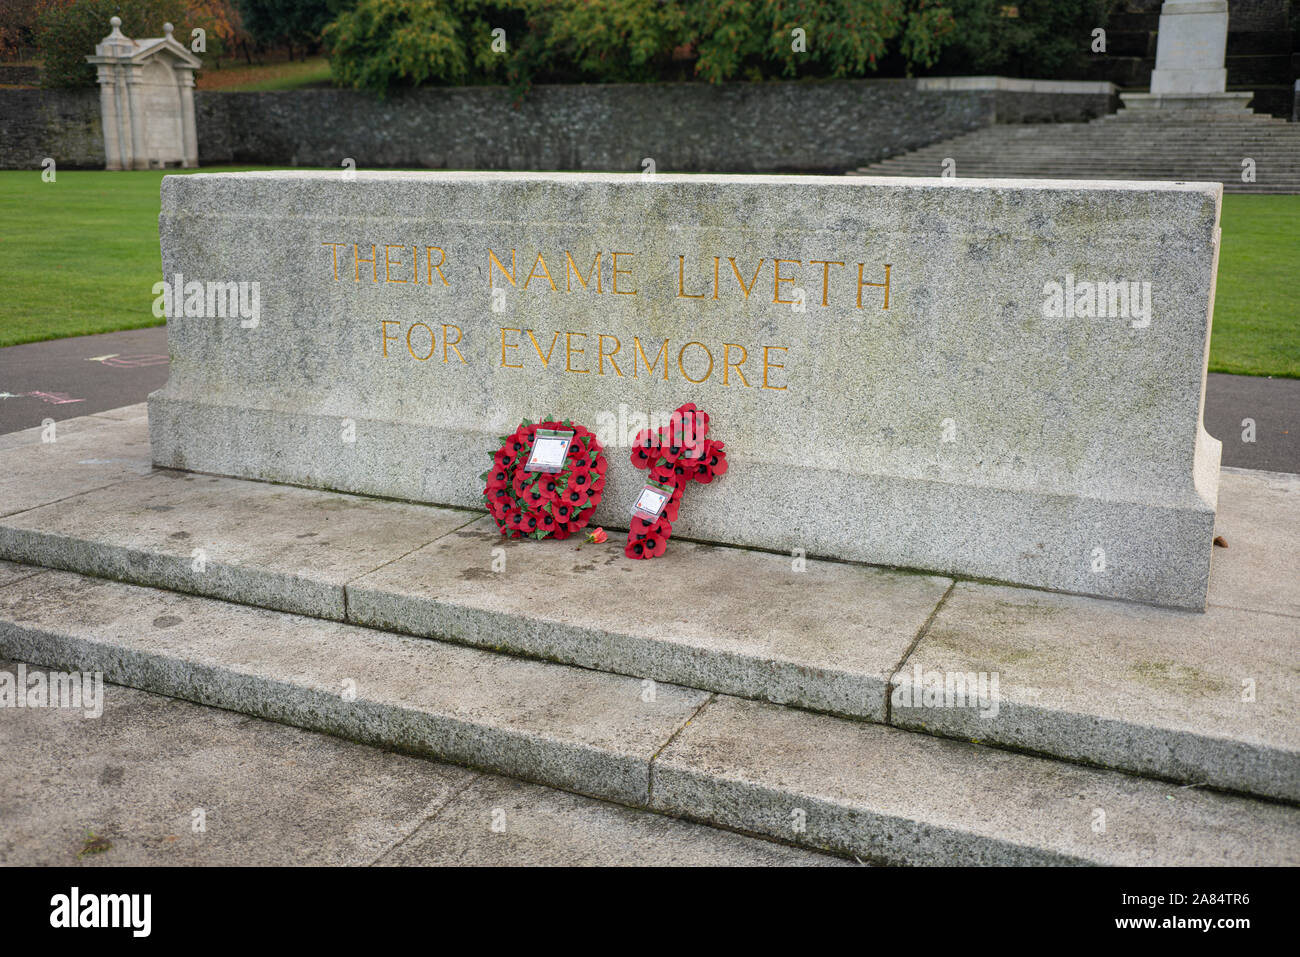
[[1120, 148], [1113, 157], [287, 797], [1230, 185], [830, 637], [851, 788], [1192, 159], [1107, 158]]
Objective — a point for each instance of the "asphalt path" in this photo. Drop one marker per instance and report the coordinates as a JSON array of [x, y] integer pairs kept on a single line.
[[1257, 419]]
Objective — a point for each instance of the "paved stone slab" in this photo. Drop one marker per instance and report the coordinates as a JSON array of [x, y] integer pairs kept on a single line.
[[121, 414], [13, 571], [827, 637], [256, 543], [1150, 690], [38, 435], [906, 372], [78, 425], [1259, 518], [501, 822], [79, 460], [572, 728], [907, 798], [269, 794]]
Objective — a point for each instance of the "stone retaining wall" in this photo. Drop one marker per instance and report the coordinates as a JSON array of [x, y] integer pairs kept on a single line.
[[826, 126]]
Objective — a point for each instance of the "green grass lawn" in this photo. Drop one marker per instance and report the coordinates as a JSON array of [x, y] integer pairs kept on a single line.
[[81, 256], [1257, 300], [82, 251], [291, 75]]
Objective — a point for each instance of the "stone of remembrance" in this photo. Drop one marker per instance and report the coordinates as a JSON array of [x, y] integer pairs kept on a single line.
[[995, 379]]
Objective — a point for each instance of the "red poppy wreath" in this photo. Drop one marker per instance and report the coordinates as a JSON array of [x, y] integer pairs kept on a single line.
[[674, 455], [558, 498]]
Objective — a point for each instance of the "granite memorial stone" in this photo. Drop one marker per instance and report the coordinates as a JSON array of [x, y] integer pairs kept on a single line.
[[998, 379]]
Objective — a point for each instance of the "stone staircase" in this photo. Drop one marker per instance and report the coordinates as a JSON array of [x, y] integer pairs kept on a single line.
[[1129, 145], [719, 685]]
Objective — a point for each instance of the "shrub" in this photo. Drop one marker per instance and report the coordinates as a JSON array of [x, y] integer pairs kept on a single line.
[[293, 23], [18, 26], [380, 44], [386, 43], [1047, 39]]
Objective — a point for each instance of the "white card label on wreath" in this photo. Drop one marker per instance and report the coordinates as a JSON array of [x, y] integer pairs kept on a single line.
[[549, 449], [651, 502]]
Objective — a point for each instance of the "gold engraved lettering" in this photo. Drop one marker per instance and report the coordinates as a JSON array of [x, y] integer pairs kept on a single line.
[[569, 351], [617, 272], [508, 345], [383, 333], [682, 368], [826, 265], [334, 257], [419, 325], [778, 279], [437, 267], [545, 272], [374, 266], [740, 279], [772, 365], [885, 284], [546, 359], [493, 261], [388, 264], [728, 365], [681, 280], [450, 342], [603, 355], [571, 272], [649, 366]]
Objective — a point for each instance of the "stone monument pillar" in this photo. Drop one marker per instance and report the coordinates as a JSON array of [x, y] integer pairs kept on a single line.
[[146, 99], [1189, 73]]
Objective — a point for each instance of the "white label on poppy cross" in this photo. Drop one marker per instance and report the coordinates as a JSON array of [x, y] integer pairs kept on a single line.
[[651, 502]]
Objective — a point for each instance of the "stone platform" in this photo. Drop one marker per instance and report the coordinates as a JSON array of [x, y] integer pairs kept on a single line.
[[716, 684]]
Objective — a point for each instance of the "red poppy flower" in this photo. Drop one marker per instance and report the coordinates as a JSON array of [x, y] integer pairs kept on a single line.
[[549, 487], [582, 478], [664, 474], [714, 464], [575, 496], [651, 546]]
